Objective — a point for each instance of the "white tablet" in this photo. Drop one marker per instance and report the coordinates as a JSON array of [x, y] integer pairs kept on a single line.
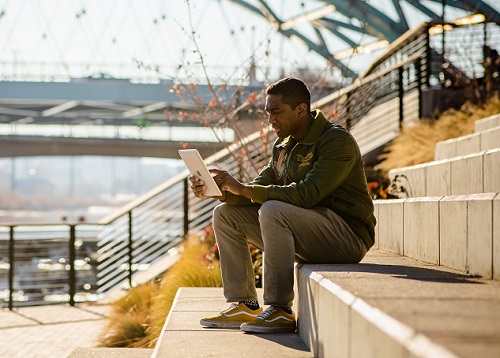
[[197, 167]]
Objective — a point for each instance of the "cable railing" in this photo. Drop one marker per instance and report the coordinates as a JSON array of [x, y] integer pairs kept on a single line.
[[47, 263], [70, 262]]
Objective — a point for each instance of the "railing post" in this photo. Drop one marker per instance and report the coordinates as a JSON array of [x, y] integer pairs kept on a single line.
[[401, 96], [11, 267], [428, 58], [186, 207], [72, 258], [418, 68], [347, 111], [130, 248]]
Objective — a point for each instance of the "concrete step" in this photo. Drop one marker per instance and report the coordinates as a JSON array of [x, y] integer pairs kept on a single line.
[[394, 306], [487, 123], [182, 335], [472, 143], [111, 353], [470, 174], [461, 232]]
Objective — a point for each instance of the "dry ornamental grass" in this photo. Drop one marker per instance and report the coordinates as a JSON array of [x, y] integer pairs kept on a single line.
[[415, 144]]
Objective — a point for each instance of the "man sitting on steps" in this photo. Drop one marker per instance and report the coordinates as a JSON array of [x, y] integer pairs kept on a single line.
[[310, 202]]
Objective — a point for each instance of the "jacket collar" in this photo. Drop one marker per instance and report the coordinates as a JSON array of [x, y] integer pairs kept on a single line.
[[316, 128]]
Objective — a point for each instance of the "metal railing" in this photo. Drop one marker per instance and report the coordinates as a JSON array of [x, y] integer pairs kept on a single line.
[[397, 89], [47, 263]]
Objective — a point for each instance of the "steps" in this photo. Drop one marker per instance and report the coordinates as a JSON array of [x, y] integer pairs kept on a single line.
[[182, 335], [454, 231], [394, 306]]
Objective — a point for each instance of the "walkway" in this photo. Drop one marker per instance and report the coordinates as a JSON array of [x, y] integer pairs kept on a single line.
[[50, 331]]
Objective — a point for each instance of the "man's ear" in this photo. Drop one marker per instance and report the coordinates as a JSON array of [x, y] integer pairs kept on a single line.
[[302, 109]]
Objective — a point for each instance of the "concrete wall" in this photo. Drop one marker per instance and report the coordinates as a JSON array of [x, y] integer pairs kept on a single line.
[[461, 232], [487, 123], [469, 174]]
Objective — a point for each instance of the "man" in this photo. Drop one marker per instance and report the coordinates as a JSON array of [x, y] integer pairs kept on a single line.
[[310, 202]]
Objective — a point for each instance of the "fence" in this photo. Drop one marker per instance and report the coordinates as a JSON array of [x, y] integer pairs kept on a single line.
[[374, 108], [47, 263]]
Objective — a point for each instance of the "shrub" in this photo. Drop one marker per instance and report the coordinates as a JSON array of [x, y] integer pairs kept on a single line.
[[137, 319], [415, 144]]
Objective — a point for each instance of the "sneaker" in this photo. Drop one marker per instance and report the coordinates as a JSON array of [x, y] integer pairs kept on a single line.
[[272, 320], [232, 317]]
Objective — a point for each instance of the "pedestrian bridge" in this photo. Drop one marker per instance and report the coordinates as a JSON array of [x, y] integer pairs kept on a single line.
[[101, 116], [129, 141]]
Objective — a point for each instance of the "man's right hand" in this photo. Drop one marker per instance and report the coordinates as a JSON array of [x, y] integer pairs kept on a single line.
[[198, 187]]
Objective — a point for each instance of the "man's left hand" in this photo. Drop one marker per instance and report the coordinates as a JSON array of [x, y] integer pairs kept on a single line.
[[227, 183]]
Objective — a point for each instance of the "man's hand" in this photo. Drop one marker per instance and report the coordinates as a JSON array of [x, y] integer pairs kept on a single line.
[[226, 182], [198, 187]]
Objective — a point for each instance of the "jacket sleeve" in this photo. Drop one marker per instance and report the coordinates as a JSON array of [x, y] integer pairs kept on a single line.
[[265, 177], [337, 157]]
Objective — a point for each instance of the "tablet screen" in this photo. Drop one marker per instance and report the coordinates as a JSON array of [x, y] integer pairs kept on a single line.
[[197, 167]]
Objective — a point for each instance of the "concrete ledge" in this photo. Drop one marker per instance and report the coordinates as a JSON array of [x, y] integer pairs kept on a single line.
[[421, 229], [393, 306], [491, 169], [460, 232], [487, 123], [468, 144], [390, 225], [470, 174], [455, 147], [496, 238]]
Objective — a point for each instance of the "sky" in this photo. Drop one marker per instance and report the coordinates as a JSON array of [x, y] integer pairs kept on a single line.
[[161, 38], [121, 33], [153, 38]]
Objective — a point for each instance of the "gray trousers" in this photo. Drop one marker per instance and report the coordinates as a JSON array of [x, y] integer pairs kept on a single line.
[[284, 232]]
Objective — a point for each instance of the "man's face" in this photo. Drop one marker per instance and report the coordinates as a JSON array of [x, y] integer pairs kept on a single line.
[[284, 120]]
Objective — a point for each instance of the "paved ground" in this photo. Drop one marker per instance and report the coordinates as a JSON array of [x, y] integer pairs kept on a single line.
[[50, 331]]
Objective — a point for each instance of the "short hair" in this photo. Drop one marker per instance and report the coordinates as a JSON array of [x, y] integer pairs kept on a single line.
[[292, 90]]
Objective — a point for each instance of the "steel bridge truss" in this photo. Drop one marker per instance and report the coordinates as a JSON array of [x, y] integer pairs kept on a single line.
[[362, 19]]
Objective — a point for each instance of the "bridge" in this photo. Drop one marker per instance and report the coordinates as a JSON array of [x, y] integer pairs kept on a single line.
[[108, 117]]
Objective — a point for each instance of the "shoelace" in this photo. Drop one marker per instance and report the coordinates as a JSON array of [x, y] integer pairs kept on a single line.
[[267, 312]]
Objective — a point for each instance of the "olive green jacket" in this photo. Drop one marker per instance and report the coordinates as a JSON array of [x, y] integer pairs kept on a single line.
[[324, 169]]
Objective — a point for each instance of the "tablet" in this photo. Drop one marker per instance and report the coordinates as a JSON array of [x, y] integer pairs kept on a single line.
[[197, 167]]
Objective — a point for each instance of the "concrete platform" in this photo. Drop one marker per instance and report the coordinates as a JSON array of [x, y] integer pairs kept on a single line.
[[111, 353], [182, 335], [393, 306], [50, 331]]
